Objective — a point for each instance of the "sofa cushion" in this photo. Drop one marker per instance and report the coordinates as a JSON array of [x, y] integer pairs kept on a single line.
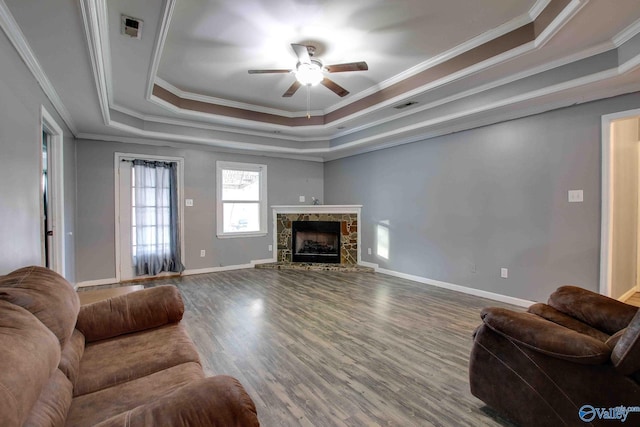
[[53, 404], [29, 354], [601, 312], [71, 355], [47, 295], [90, 409], [218, 401], [555, 316], [626, 353], [110, 362], [546, 337], [131, 312]]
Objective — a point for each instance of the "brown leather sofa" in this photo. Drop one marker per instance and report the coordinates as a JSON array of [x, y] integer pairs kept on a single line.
[[126, 361], [572, 362]]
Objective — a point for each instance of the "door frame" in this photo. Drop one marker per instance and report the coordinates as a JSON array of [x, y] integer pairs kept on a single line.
[[56, 193], [118, 158], [606, 225]]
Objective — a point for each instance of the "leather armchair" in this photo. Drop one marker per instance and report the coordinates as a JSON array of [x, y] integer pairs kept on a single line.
[[572, 361]]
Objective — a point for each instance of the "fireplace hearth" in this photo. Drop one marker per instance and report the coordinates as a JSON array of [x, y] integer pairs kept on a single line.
[[316, 241]]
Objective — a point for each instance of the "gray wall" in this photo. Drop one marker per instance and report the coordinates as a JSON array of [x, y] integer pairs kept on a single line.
[[20, 100], [286, 179], [461, 206], [625, 206]]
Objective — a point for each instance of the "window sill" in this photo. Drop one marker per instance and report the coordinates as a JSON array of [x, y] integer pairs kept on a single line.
[[239, 235]]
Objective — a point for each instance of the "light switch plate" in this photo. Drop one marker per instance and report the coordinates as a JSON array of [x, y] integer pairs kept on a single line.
[[575, 196], [188, 202]]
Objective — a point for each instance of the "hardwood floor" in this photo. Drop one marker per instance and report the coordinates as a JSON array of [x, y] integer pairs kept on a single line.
[[339, 349]]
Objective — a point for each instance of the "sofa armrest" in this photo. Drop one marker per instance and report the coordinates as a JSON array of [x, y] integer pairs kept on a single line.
[[546, 337], [218, 401], [601, 312], [137, 311]]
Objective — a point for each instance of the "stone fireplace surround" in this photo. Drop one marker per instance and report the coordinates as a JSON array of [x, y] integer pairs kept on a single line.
[[347, 215]]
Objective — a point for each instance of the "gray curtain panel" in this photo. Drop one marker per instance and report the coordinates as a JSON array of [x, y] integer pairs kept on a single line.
[[156, 218]]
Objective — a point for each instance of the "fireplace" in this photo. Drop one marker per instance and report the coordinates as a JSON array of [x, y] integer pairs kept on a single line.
[[316, 241]]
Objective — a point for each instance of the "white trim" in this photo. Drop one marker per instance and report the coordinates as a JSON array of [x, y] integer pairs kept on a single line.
[[118, 157], [537, 9], [452, 287], [560, 21], [19, 42], [629, 294], [233, 104], [96, 32], [49, 125], [263, 261], [606, 205], [218, 269], [158, 47], [627, 34], [99, 282]]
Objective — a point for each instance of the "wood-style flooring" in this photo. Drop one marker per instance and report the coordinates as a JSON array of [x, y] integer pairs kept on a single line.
[[634, 299], [339, 349]]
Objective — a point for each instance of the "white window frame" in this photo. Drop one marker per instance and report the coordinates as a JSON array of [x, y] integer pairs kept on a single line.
[[252, 167]]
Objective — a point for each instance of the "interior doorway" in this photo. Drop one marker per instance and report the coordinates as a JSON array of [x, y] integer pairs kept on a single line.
[[52, 194], [620, 216]]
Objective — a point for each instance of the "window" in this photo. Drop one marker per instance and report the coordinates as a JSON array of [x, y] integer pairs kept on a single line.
[[242, 199]]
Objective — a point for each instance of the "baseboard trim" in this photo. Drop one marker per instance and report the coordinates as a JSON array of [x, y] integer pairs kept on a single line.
[[453, 287], [99, 282], [251, 264], [629, 294]]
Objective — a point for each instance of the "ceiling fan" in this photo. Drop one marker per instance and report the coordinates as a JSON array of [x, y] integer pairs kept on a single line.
[[310, 71]]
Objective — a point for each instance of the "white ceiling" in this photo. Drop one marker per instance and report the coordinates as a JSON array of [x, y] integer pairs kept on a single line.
[[103, 82]]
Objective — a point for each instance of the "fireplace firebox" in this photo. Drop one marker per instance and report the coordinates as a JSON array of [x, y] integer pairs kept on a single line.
[[316, 241]]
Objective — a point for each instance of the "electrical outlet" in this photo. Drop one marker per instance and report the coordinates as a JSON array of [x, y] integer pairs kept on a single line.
[[302, 199], [369, 251], [202, 253], [473, 268], [188, 202], [270, 248], [504, 273]]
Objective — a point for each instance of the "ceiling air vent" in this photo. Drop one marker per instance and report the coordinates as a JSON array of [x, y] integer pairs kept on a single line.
[[131, 27], [405, 105]]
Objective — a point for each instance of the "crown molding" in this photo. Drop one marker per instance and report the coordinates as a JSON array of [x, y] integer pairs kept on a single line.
[[627, 34], [161, 38], [96, 28], [559, 21], [537, 9], [234, 104], [201, 125], [19, 42]]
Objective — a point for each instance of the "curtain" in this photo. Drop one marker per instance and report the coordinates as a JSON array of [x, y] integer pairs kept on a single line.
[[155, 212]]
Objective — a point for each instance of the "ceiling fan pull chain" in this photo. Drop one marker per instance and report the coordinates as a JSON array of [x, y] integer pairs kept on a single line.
[[308, 102]]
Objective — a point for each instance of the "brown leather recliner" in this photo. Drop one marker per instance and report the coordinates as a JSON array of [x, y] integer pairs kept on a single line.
[[572, 362]]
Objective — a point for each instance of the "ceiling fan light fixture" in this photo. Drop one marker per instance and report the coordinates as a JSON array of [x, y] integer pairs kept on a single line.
[[309, 74]]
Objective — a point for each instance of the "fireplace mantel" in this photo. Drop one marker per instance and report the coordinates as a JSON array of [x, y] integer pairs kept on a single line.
[[333, 209], [289, 210]]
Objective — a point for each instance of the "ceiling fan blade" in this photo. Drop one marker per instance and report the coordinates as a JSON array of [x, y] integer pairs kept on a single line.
[[302, 53], [292, 89], [334, 87], [351, 66], [268, 71]]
